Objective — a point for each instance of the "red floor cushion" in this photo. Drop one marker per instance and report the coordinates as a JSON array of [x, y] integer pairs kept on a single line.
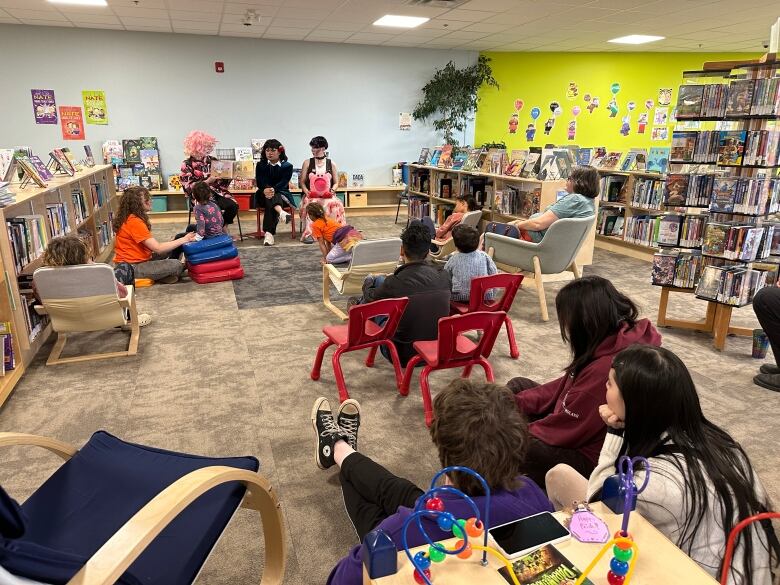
[[218, 276], [214, 266]]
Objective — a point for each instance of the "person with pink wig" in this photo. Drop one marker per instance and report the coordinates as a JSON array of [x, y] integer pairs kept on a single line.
[[198, 146]]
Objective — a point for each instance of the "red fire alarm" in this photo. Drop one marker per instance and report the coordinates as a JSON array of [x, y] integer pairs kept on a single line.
[[219, 66]]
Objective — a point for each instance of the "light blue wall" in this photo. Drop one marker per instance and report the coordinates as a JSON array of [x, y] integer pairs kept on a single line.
[[164, 85]]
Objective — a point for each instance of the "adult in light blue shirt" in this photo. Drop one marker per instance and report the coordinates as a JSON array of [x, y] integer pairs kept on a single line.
[[582, 187]]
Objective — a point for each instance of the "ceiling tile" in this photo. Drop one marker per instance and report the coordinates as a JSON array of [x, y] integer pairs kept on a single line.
[[442, 24], [196, 5], [286, 11], [100, 26], [278, 31], [142, 28], [261, 9], [231, 27], [468, 15], [369, 37], [191, 16], [137, 12], [302, 23], [149, 22], [487, 27], [460, 36], [94, 19], [336, 35], [489, 5], [192, 25], [332, 24], [22, 14]]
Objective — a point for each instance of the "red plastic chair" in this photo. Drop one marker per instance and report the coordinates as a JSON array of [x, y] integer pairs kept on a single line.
[[510, 283], [731, 542], [361, 332], [454, 350]]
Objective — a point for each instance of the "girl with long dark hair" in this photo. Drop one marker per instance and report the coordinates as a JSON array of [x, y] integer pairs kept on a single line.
[[273, 174], [597, 322], [701, 481]]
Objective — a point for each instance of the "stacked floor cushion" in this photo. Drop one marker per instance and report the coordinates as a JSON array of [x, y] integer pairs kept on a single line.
[[213, 260]]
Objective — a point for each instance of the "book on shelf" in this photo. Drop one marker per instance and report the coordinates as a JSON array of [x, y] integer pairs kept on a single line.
[[113, 154], [731, 147], [90, 158], [533, 163], [731, 285], [714, 242], [584, 157], [658, 159], [496, 161], [714, 100], [472, 160], [683, 146], [256, 144], [669, 230], [28, 236], [664, 264], [564, 162], [611, 160], [676, 191], [424, 156], [243, 169], [6, 163], [62, 161], [599, 153], [706, 148], [516, 201], [647, 193], [689, 99], [762, 148], [445, 188], [435, 155], [419, 208], [612, 188], [343, 180], [545, 566], [71, 158], [516, 162], [30, 171], [723, 192], [766, 97], [772, 270], [445, 158], [58, 223], [243, 153], [740, 97], [150, 159], [132, 150], [692, 230], [459, 158], [642, 229], [9, 359], [6, 196], [225, 153], [148, 143], [44, 172], [633, 159], [608, 224]]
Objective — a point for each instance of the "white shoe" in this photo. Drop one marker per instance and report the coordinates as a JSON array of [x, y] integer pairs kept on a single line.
[[268, 240], [284, 217]]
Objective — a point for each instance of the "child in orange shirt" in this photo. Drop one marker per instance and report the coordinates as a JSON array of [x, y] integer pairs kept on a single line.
[[336, 241]]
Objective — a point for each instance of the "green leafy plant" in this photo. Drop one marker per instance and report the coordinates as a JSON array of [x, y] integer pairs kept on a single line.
[[451, 95]]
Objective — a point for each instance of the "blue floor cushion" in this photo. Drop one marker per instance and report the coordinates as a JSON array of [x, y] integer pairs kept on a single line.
[[212, 255], [207, 244]]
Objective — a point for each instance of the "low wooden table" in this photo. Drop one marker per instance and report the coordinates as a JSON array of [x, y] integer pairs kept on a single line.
[[659, 562]]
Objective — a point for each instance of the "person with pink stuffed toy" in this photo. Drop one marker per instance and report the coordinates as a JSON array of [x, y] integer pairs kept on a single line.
[[319, 178]]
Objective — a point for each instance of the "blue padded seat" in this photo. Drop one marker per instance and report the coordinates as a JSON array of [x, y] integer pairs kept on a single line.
[[207, 244], [91, 496], [212, 255]]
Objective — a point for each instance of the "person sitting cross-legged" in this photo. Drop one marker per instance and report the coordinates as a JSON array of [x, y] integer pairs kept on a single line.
[[476, 425]]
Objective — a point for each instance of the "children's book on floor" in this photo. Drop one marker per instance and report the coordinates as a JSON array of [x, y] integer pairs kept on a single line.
[[546, 566]]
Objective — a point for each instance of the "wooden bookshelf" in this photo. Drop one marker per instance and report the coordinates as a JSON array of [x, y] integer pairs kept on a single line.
[[494, 182], [371, 199], [32, 200]]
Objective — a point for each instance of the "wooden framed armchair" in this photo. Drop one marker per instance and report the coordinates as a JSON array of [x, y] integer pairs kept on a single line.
[[84, 298], [556, 253], [116, 512], [368, 257], [447, 247]]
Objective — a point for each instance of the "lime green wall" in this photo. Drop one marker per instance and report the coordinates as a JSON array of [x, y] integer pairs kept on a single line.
[[540, 78]]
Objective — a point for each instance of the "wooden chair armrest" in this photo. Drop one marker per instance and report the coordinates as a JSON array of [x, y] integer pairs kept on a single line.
[[119, 552], [40, 309], [334, 273], [128, 300], [440, 242], [57, 447]]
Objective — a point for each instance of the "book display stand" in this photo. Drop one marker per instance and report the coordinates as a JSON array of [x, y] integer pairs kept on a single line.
[[743, 100], [57, 167]]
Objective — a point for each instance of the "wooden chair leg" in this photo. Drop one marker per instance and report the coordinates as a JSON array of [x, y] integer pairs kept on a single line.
[[135, 328], [59, 345], [540, 289], [326, 296], [576, 270]]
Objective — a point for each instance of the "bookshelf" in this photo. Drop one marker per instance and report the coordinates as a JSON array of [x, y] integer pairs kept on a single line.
[[371, 199], [725, 164], [83, 204], [428, 184]]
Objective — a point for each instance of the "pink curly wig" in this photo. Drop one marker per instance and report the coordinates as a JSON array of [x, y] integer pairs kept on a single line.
[[199, 144]]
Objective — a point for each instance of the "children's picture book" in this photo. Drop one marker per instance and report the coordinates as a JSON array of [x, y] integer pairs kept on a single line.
[[683, 146], [598, 156], [532, 163], [148, 142], [689, 101], [41, 168], [459, 158], [113, 153], [29, 169], [584, 156], [610, 162], [150, 158], [516, 162], [445, 159], [424, 154], [663, 269], [243, 153], [709, 282], [714, 242], [242, 169], [723, 192], [676, 190], [62, 161], [731, 147], [658, 159], [222, 169], [546, 566], [497, 158], [740, 97], [90, 159], [156, 181], [669, 230], [257, 147], [343, 180], [132, 150], [474, 159], [629, 163], [434, 161]]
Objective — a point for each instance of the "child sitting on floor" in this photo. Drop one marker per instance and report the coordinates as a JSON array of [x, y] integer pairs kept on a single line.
[[468, 263], [72, 251], [208, 216], [336, 241]]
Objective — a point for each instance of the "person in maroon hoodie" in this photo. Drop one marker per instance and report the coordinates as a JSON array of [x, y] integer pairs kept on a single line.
[[597, 322]]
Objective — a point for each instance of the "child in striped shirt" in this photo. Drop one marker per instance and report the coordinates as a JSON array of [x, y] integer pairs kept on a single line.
[[468, 263]]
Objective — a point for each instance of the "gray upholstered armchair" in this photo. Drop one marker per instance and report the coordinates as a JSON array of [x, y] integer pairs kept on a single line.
[[554, 254]]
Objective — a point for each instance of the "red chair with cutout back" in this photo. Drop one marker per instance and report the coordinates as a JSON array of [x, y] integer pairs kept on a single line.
[[362, 332], [510, 283], [732, 541], [454, 350]]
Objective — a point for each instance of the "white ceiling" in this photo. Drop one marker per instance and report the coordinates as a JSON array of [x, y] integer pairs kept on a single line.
[[497, 25]]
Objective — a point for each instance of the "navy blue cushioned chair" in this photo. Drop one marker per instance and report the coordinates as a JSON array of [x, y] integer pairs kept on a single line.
[[116, 512]]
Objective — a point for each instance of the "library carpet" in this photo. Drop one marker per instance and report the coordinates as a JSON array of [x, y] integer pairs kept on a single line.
[[214, 380]]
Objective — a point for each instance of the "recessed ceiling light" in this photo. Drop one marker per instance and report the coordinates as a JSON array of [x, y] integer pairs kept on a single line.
[[80, 2], [401, 21], [635, 39]]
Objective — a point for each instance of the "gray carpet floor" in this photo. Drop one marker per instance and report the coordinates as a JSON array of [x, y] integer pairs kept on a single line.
[[215, 380]]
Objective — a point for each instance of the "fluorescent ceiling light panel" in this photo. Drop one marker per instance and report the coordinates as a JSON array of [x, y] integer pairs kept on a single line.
[[80, 2], [636, 39], [401, 21]]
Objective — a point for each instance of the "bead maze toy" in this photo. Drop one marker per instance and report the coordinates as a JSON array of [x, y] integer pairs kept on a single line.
[[624, 550]]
